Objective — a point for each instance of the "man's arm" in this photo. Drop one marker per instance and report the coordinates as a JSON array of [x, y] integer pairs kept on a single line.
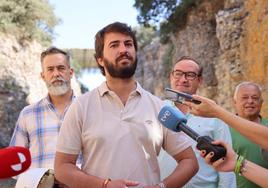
[[20, 134], [187, 167], [69, 174]]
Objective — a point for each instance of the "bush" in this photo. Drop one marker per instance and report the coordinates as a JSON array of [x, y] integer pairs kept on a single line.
[[28, 19]]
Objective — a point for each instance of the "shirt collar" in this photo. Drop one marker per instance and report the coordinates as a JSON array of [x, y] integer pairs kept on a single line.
[[103, 89], [48, 100]]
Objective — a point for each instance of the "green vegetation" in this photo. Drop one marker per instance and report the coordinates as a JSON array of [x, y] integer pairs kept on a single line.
[[145, 35], [170, 14], [82, 59], [28, 19]]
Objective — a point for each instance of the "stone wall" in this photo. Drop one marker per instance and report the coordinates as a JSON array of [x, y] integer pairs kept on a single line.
[[229, 38]]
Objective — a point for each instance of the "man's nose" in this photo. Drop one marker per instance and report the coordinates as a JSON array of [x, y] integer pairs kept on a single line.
[[183, 77], [56, 73], [122, 48], [250, 100]]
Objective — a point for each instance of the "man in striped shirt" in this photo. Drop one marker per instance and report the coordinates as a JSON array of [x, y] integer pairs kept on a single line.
[[38, 124]]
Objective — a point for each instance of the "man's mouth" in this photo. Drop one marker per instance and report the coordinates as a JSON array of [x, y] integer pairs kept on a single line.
[[57, 82], [249, 108]]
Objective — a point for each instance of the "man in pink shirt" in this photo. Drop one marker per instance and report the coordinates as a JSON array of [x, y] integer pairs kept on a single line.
[[115, 126]]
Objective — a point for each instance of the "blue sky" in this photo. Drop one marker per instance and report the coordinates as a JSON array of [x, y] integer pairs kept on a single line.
[[81, 19]]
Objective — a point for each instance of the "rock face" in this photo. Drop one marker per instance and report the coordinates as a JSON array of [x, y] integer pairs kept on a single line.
[[229, 38], [20, 81]]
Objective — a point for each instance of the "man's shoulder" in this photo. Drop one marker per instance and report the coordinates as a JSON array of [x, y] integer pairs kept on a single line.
[[153, 98], [264, 121], [87, 96], [35, 107]]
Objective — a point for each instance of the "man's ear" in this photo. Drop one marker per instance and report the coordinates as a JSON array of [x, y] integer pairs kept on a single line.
[[170, 74], [100, 61], [234, 101], [42, 76], [201, 80], [71, 72]]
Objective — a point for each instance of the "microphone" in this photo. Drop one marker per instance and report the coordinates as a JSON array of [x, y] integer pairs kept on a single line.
[[13, 161], [176, 121]]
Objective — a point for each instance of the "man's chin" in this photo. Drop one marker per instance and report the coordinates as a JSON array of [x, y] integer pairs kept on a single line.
[[182, 89], [58, 91]]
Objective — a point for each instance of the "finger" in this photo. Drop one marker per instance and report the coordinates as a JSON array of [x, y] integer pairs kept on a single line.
[[218, 162], [208, 157], [187, 103], [202, 99], [219, 142], [131, 183], [203, 153]]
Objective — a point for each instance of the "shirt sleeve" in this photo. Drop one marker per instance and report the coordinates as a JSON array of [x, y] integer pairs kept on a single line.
[[20, 135], [226, 179], [70, 136], [175, 142]]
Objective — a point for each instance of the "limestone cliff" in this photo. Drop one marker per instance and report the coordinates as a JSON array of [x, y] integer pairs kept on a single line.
[[229, 38]]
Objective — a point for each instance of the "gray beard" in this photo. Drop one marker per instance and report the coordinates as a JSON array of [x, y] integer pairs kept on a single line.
[[58, 89]]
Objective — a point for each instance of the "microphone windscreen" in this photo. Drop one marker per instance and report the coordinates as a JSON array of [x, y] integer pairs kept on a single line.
[[13, 161], [171, 117]]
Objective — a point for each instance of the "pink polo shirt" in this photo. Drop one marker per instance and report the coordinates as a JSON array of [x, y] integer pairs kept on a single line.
[[117, 141]]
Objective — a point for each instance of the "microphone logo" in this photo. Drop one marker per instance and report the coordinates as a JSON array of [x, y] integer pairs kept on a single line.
[[166, 114], [18, 167]]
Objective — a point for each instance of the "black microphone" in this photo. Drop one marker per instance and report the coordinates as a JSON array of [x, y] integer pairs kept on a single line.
[[180, 97], [176, 121]]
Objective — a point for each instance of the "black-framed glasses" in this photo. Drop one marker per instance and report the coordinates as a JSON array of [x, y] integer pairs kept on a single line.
[[177, 74]]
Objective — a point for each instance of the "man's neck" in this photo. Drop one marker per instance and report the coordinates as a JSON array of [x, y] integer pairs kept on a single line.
[[182, 107], [256, 119], [60, 102], [122, 87]]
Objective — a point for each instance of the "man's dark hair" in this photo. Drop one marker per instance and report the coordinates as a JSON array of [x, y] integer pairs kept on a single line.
[[54, 50], [200, 72], [115, 27]]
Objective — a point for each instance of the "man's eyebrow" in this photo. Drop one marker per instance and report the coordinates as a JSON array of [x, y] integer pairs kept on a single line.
[[55, 66], [114, 41]]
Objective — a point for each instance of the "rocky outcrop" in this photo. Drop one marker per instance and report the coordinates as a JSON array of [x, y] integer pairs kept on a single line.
[[229, 38], [20, 81], [150, 69]]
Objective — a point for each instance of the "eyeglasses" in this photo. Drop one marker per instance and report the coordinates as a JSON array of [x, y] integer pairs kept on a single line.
[[177, 74]]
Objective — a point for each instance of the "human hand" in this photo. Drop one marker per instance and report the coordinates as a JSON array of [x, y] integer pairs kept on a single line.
[[225, 164], [122, 184], [58, 184], [207, 108]]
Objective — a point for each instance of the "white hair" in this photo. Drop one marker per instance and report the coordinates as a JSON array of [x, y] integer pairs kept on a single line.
[[246, 83]]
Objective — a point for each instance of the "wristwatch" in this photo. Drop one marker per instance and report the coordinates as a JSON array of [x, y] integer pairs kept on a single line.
[[161, 185]]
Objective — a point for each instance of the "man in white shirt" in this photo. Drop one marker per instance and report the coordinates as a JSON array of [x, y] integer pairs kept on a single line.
[[186, 76]]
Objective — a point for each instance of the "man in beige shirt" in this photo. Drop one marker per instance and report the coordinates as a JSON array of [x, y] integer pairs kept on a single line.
[[115, 126]]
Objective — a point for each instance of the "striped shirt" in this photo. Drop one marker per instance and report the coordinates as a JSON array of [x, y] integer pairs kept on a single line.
[[37, 128]]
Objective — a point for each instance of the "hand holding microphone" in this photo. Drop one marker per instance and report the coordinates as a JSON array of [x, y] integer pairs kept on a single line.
[[176, 121], [13, 161]]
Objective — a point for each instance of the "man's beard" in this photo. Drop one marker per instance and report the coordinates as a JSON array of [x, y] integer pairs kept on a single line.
[[118, 72], [58, 88]]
